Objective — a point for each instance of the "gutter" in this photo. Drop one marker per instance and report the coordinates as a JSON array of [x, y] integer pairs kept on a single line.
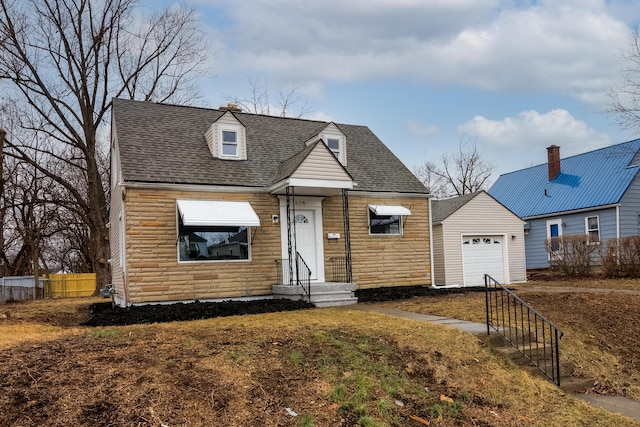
[[593, 208]]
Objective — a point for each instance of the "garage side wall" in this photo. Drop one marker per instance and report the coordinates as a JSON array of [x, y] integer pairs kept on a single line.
[[483, 215], [439, 271], [153, 271]]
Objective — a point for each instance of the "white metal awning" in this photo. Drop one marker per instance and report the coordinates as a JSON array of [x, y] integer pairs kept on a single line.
[[211, 213], [389, 210]]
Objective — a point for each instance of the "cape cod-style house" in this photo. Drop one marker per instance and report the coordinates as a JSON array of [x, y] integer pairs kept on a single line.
[[213, 204]]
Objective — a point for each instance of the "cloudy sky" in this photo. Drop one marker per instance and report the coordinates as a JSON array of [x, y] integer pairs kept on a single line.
[[514, 76]]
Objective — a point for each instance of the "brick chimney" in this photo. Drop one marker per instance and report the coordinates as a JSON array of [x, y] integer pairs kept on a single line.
[[553, 159], [231, 107]]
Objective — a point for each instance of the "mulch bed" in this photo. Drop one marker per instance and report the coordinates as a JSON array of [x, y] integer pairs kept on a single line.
[[105, 314]]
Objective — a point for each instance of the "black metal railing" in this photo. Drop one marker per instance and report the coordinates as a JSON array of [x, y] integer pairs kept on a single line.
[[535, 337], [303, 276], [339, 271], [296, 274]]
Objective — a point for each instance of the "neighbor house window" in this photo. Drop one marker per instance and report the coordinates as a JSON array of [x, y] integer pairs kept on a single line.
[[554, 231], [229, 143], [592, 225], [384, 224], [228, 243]]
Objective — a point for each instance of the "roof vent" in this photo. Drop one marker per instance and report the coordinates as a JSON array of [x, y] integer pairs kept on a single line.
[[553, 158], [232, 107]]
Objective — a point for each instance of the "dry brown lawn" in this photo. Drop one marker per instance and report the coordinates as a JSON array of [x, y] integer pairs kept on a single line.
[[330, 367]]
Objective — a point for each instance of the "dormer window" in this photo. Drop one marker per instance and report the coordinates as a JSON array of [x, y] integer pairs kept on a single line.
[[229, 142], [334, 146], [334, 139], [336, 143], [226, 138]]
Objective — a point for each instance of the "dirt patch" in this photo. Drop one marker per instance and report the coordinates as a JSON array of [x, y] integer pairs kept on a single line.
[[606, 322]]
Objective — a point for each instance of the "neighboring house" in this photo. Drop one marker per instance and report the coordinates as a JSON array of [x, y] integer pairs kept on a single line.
[[211, 204], [474, 235], [595, 193]]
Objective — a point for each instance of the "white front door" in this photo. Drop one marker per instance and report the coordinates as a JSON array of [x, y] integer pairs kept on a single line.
[[308, 228], [306, 239]]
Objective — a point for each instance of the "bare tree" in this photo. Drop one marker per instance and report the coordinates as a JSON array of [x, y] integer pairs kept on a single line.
[[288, 101], [62, 62], [624, 100], [435, 183], [458, 173]]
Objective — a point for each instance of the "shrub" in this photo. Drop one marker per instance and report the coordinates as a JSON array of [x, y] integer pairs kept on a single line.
[[622, 257], [571, 255]]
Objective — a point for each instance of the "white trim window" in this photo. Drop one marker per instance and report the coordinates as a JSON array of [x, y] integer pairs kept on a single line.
[[215, 230], [213, 243], [336, 145], [229, 142], [384, 224], [554, 229], [592, 228]]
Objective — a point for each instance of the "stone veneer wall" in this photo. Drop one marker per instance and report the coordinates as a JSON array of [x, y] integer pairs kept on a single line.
[[153, 270], [380, 260], [155, 275]]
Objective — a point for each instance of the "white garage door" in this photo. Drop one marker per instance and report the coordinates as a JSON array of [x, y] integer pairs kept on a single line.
[[482, 255]]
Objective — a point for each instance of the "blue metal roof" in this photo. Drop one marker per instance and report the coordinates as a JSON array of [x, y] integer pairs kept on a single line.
[[596, 178]]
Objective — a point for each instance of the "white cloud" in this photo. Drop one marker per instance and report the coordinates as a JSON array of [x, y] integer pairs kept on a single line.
[[570, 46], [524, 138], [421, 129]]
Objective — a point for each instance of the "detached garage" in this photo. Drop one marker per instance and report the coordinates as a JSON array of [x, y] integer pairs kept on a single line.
[[474, 235]]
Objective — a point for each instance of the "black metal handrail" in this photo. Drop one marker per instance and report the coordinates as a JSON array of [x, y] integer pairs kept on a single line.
[[299, 275], [535, 337], [339, 269], [303, 275]]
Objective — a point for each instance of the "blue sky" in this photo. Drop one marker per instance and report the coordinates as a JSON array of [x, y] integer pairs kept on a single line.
[[515, 76]]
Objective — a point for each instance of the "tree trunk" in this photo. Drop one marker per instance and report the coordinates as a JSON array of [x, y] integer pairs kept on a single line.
[[3, 134]]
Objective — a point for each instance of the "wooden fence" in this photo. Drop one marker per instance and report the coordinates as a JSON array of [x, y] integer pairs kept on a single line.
[[70, 285]]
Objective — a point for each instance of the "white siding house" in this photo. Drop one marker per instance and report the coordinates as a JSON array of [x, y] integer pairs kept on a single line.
[[475, 235]]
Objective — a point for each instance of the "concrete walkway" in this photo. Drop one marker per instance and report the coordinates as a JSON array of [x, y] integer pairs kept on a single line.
[[471, 327], [615, 404]]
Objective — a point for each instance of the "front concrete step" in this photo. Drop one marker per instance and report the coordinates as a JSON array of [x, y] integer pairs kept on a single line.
[[322, 294]]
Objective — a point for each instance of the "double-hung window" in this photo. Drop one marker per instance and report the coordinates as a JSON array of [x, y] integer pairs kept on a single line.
[[592, 228], [229, 143], [337, 145], [334, 146]]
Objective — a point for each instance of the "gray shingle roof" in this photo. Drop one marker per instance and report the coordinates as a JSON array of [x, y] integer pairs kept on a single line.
[[289, 166], [162, 143], [442, 209]]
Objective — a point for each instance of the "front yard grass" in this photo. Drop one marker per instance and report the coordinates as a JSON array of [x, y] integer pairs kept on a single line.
[[327, 366]]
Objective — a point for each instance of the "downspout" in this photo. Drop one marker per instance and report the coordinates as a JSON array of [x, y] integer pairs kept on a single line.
[[122, 223], [618, 221], [433, 284]]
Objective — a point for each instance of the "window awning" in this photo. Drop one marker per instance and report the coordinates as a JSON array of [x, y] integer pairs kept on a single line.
[[211, 213], [389, 210]]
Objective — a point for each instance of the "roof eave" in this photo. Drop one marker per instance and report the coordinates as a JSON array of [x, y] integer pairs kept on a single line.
[[573, 211]]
